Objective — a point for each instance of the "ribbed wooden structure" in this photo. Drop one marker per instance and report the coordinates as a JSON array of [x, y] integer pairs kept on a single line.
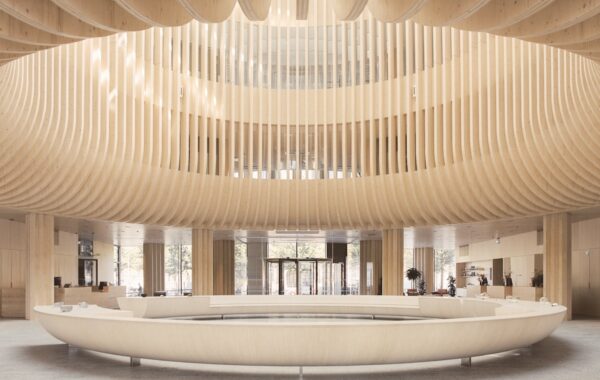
[[300, 121]]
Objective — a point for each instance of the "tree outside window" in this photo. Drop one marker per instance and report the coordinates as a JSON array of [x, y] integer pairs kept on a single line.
[[178, 269], [445, 262]]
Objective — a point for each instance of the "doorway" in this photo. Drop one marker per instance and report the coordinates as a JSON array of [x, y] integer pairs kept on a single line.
[[88, 272], [288, 276]]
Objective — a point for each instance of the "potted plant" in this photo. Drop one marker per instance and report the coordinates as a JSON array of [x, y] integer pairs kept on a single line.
[[422, 287], [413, 275], [451, 286]]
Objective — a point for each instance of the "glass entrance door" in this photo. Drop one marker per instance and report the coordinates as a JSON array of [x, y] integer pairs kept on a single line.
[[298, 276], [307, 275], [324, 277], [272, 277], [288, 278]]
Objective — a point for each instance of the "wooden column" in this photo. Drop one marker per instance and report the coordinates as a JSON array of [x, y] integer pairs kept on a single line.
[[393, 262], [224, 267], [39, 286], [557, 260], [370, 251], [423, 261], [154, 268], [202, 262]]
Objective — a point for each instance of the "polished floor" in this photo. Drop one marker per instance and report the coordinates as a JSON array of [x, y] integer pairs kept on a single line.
[[28, 352]]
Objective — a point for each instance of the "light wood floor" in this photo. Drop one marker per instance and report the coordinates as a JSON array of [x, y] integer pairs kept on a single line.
[[28, 352]]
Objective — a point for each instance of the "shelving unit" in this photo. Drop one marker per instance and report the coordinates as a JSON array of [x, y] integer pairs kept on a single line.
[[521, 267]]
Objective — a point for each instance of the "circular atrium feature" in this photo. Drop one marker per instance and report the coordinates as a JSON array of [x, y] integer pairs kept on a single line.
[[300, 183], [348, 124], [499, 325]]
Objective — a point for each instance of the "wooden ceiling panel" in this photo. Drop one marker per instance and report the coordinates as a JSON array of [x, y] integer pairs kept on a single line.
[[46, 16], [54, 22], [103, 14], [157, 12]]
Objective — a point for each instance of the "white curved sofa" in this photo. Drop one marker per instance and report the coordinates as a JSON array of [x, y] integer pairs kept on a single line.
[[456, 328]]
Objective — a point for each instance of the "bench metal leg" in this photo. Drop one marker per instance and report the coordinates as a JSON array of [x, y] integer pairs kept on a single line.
[[465, 362], [134, 362], [301, 373]]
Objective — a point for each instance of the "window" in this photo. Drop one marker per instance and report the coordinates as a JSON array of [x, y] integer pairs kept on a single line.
[[353, 268], [241, 268], [131, 267], [178, 269], [117, 264], [301, 250], [444, 265]]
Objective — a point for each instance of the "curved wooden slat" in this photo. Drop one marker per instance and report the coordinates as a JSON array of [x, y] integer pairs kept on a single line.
[[582, 47], [157, 12], [443, 12], [209, 10], [302, 9], [555, 17], [348, 10], [46, 16], [17, 31], [10, 56], [469, 127], [499, 14], [7, 46], [103, 14], [585, 31], [255, 10], [394, 11]]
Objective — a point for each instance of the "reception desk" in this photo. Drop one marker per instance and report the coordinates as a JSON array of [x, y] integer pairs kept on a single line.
[[91, 295], [500, 292], [525, 293], [475, 290]]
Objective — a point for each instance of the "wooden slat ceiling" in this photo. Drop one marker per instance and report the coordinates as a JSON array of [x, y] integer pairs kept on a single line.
[[30, 25], [422, 125]]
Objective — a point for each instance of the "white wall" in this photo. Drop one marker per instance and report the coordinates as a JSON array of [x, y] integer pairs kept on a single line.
[[65, 257], [510, 246], [104, 252]]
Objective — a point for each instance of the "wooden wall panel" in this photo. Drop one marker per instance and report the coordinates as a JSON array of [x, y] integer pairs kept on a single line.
[[557, 260], [223, 267], [5, 269], [154, 268], [40, 268], [202, 262], [371, 252], [424, 262], [393, 262]]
